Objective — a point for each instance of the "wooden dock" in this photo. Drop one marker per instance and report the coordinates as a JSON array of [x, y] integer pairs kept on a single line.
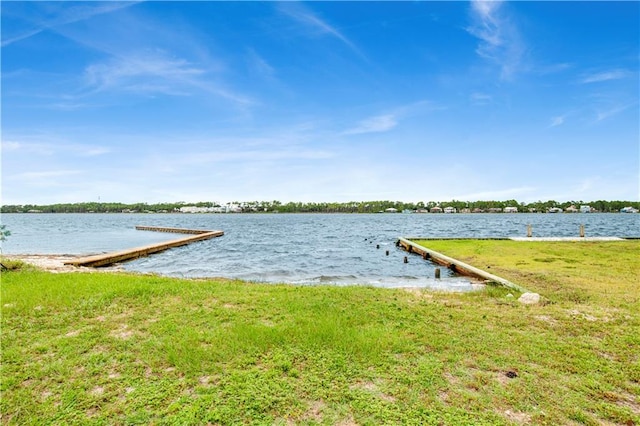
[[172, 230], [455, 265], [106, 259]]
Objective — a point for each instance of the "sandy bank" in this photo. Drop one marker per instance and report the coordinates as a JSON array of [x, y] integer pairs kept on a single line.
[[55, 262]]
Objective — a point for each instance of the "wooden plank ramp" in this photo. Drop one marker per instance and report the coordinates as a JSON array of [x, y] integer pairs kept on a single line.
[[106, 259]]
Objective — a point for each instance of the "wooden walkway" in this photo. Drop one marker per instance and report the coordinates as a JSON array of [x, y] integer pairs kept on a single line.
[[106, 259]]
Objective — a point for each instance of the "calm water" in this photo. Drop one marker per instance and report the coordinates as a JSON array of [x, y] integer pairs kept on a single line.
[[294, 248]]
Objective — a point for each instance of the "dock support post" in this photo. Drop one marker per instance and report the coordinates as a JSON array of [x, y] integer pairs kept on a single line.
[[529, 231], [581, 231], [437, 273], [406, 259]]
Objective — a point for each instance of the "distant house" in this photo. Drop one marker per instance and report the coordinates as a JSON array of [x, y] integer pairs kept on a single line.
[[511, 210], [436, 209], [477, 210], [391, 210], [554, 210], [495, 210], [628, 210], [585, 209], [571, 209], [450, 210]]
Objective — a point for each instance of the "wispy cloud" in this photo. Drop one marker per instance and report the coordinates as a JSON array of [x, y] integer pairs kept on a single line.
[[44, 175], [377, 124], [391, 118], [553, 68], [154, 72], [478, 98], [259, 66], [557, 120], [292, 153], [605, 113], [307, 18], [54, 148], [47, 19], [133, 71], [499, 37], [598, 77], [183, 67]]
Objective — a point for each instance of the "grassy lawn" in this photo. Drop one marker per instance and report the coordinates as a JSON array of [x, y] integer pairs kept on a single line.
[[131, 349]]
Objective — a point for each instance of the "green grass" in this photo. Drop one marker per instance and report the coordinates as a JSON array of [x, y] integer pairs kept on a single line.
[[131, 349]]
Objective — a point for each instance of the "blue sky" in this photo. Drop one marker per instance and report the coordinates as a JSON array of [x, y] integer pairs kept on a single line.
[[319, 101]]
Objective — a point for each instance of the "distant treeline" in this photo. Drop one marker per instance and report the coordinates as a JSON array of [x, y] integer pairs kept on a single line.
[[296, 207]]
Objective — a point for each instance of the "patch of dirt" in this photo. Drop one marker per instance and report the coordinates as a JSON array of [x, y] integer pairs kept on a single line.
[[91, 412], [204, 380], [374, 390], [314, 411], [98, 390], [268, 323], [576, 313], [349, 421], [453, 380], [518, 417], [123, 332], [546, 319], [629, 401]]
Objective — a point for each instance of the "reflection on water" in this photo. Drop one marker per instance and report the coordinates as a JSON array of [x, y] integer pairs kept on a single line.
[[294, 248]]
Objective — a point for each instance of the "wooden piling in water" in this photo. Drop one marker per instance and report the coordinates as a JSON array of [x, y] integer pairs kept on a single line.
[[106, 259]]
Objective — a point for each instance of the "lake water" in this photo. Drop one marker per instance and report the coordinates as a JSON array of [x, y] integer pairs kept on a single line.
[[294, 248]]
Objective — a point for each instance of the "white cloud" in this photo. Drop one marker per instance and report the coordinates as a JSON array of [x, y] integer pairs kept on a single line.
[[135, 70], [66, 14], [554, 68], [155, 72], [598, 77], [44, 176], [313, 22], [10, 146], [243, 155], [53, 148], [377, 124], [499, 38], [478, 98], [259, 65], [604, 114], [557, 121]]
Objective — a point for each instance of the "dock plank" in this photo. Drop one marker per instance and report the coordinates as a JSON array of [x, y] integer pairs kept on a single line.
[[106, 259]]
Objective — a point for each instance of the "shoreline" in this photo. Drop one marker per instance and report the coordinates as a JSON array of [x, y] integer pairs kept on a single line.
[[56, 263]]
